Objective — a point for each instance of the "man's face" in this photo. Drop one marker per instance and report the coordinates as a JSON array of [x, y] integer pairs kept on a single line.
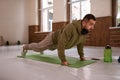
[[89, 24]]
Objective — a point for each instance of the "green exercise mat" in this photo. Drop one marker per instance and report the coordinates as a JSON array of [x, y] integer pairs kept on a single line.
[[74, 62]]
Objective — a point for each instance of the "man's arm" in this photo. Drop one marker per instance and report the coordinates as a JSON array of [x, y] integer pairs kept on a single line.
[[80, 51], [64, 38], [61, 49]]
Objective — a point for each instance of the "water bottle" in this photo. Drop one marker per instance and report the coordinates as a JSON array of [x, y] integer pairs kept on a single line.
[[108, 54]]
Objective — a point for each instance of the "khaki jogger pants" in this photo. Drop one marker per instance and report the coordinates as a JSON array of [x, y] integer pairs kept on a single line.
[[41, 46]]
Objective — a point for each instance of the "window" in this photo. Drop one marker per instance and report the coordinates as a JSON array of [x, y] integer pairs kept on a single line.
[[79, 8], [46, 16], [118, 14]]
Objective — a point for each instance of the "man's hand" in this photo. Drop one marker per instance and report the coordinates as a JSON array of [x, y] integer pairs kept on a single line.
[[82, 58], [64, 63]]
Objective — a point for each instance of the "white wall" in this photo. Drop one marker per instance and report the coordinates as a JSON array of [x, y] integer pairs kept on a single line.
[[59, 10], [15, 16], [101, 8]]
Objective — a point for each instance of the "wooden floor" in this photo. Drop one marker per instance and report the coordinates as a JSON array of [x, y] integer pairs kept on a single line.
[[13, 68]]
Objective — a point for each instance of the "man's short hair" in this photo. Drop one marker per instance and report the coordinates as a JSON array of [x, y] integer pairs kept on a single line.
[[89, 16]]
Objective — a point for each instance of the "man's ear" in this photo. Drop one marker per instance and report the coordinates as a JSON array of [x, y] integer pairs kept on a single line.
[[83, 23]]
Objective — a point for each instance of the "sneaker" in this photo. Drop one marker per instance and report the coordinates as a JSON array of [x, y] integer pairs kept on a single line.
[[23, 54]]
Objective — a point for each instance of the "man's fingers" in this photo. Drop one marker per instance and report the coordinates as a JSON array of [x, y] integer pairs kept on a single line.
[[65, 63], [82, 59]]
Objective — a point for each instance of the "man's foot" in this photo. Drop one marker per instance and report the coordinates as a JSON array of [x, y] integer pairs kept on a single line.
[[23, 54]]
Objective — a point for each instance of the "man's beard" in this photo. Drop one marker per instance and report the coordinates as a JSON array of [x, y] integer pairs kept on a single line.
[[84, 31]]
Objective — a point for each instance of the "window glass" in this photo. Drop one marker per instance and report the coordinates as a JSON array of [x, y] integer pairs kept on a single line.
[[47, 15], [79, 8]]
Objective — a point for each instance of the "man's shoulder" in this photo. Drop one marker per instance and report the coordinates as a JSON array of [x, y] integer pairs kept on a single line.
[[76, 21]]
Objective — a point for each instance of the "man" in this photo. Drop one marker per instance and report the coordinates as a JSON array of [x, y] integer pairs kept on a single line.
[[65, 38]]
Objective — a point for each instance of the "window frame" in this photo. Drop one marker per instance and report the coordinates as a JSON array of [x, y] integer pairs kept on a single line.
[[40, 10], [114, 12], [69, 10]]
